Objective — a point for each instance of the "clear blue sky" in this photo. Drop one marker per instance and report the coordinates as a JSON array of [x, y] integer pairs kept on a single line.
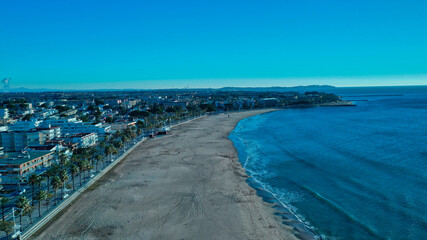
[[161, 44]]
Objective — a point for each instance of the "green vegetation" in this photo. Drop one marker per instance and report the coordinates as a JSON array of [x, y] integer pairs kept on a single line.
[[62, 109], [41, 196], [7, 227], [3, 202]]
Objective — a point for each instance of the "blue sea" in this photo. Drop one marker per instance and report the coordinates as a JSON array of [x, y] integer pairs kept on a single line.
[[345, 172]]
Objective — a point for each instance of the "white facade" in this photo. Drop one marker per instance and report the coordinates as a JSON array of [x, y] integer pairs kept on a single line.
[[49, 133], [17, 141], [73, 126], [46, 113], [85, 139], [13, 141], [4, 113]]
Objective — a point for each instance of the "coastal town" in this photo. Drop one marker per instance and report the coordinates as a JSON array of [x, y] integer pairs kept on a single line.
[[54, 143]]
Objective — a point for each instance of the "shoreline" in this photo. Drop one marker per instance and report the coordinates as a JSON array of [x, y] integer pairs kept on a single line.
[[288, 216], [186, 185]]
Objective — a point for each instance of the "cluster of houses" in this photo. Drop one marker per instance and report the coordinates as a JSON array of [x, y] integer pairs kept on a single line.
[[31, 146], [34, 132]]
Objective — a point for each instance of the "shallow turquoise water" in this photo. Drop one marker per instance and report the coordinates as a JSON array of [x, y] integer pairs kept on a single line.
[[347, 172]]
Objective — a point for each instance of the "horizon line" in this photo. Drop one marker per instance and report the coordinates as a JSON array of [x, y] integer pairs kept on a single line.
[[202, 88]]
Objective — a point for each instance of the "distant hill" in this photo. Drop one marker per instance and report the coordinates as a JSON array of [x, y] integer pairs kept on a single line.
[[23, 90], [319, 88]]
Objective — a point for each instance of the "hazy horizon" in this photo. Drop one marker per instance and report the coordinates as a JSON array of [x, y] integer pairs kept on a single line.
[[198, 88]]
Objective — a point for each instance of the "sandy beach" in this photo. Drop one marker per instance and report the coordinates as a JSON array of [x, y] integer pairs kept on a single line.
[[185, 185]]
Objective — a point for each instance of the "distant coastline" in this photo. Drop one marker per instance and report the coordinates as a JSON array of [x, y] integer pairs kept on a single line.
[[343, 103]]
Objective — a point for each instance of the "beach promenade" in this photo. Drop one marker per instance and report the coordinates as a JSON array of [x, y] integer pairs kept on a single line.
[[186, 185]]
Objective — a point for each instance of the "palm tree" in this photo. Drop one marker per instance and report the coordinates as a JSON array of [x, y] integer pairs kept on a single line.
[[51, 172], [22, 204], [48, 198], [3, 202], [125, 140], [102, 159], [81, 167], [89, 167], [27, 211], [98, 158], [118, 144], [74, 169], [41, 196], [108, 150], [63, 175], [115, 150], [133, 134], [41, 179], [63, 159], [33, 180], [86, 166], [56, 184], [7, 227], [75, 158]]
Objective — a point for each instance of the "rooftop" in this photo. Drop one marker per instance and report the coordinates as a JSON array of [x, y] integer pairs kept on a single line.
[[43, 147], [20, 158], [81, 134]]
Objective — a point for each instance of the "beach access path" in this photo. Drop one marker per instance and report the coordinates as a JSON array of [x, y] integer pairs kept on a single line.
[[185, 185]]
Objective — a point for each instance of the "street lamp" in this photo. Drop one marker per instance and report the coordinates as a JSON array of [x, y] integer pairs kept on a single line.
[[15, 226]]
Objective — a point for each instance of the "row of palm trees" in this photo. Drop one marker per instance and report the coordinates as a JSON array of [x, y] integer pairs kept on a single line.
[[57, 175]]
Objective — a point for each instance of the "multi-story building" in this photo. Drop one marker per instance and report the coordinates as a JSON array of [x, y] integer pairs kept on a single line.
[[82, 140], [268, 102], [73, 126], [24, 125], [113, 102], [17, 167], [49, 132], [129, 103], [18, 139], [46, 113], [13, 141]]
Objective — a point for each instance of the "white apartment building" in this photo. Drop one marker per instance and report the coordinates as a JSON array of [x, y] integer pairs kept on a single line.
[[73, 126], [23, 134], [24, 125], [84, 139], [4, 113], [49, 133], [46, 113], [17, 141]]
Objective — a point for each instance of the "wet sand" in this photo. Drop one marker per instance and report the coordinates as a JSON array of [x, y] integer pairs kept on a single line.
[[185, 185]]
